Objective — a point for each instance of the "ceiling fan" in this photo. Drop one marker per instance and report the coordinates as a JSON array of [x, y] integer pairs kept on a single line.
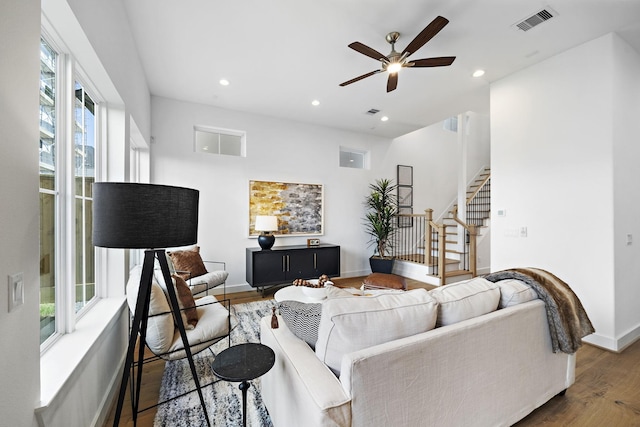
[[395, 61]]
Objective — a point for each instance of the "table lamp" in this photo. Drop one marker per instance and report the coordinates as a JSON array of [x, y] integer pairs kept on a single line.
[[146, 216], [266, 224]]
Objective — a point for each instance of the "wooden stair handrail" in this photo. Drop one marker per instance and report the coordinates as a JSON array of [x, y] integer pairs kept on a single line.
[[482, 184], [441, 229], [473, 195]]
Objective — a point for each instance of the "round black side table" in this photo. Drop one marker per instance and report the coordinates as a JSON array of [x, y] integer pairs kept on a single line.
[[241, 363]]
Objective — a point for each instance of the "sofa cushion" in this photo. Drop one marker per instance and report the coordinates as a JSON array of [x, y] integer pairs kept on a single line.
[[302, 319], [466, 299], [188, 261], [213, 323], [351, 324], [383, 280], [514, 292], [160, 327]]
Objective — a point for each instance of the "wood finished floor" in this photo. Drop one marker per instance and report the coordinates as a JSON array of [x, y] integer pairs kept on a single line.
[[606, 391]]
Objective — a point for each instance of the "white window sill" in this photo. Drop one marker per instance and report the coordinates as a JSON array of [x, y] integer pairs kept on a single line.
[[60, 363]]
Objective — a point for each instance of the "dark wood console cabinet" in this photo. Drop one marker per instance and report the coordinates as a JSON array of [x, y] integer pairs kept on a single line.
[[283, 264]]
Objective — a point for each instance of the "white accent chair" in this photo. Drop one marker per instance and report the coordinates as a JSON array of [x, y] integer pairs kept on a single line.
[[163, 338]]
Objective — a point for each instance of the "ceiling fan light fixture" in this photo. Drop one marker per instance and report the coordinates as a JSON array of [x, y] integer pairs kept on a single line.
[[394, 61], [384, 118], [394, 67], [478, 73]]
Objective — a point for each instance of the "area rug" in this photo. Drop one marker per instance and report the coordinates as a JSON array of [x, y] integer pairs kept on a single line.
[[222, 399]]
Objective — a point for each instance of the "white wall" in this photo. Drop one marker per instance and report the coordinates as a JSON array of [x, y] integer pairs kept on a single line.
[[277, 150], [626, 192], [433, 153], [280, 150], [552, 158], [19, 219]]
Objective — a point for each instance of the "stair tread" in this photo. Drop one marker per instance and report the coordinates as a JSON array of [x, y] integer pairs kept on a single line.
[[447, 260], [453, 251], [454, 273]]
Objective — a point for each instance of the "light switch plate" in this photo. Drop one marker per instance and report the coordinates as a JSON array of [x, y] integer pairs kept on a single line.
[[16, 291]]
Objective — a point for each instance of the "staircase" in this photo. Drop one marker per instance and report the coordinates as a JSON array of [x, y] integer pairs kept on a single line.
[[478, 212], [450, 239]]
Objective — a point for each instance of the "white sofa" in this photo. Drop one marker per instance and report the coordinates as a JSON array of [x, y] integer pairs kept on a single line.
[[489, 370]]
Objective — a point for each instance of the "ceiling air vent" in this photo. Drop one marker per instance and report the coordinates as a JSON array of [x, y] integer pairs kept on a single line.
[[536, 19], [373, 111]]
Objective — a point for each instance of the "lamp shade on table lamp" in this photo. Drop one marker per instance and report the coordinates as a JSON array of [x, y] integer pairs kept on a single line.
[[144, 216], [266, 224]]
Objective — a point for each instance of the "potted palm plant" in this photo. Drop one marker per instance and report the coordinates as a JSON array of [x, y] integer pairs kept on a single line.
[[380, 223]]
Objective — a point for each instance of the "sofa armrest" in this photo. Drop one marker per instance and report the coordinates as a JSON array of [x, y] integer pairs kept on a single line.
[[300, 389], [216, 275]]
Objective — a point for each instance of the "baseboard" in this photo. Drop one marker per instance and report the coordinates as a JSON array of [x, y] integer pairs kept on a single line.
[[629, 338], [482, 271], [616, 345], [414, 271]]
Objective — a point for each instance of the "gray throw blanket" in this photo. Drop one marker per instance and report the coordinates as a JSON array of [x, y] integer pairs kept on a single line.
[[568, 321]]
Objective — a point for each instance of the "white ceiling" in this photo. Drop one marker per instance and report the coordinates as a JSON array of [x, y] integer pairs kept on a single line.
[[279, 55]]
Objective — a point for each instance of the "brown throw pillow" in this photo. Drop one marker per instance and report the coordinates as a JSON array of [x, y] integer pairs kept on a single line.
[[190, 261], [186, 302], [382, 280]]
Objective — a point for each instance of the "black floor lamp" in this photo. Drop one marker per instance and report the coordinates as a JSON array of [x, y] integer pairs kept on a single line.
[[145, 216]]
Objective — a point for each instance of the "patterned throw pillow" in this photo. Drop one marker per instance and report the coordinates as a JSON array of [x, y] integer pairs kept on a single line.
[[302, 319], [188, 261]]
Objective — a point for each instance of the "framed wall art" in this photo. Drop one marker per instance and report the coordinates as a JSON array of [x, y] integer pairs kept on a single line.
[[405, 175], [405, 195], [298, 207]]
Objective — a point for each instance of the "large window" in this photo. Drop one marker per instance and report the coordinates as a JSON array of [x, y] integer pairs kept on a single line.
[[68, 150]]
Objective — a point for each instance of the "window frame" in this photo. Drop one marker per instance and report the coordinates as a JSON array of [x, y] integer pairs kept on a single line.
[[220, 132], [68, 71]]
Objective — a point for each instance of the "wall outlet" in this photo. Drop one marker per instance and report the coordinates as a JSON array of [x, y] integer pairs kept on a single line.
[[511, 232], [523, 231], [16, 291]]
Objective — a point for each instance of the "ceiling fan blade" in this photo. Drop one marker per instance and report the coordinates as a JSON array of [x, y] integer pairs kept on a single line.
[[392, 82], [425, 35], [366, 50], [360, 77], [442, 61]]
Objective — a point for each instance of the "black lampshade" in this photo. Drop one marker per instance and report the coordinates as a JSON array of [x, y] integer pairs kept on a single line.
[[144, 216]]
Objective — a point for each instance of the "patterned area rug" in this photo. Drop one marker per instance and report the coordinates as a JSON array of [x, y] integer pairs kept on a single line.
[[223, 399]]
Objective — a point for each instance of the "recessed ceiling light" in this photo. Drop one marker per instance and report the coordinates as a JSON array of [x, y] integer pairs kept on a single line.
[[315, 102], [478, 73], [384, 118], [224, 82]]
